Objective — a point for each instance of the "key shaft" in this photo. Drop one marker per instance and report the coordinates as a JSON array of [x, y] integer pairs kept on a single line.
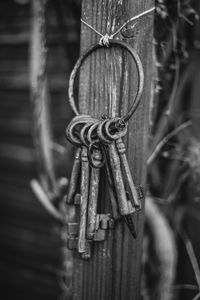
[[84, 190], [93, 195], [111, 190], [121, 149], [118, 180], [74, 177]]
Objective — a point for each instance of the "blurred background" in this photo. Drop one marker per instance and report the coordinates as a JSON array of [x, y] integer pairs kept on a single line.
[[34, 262], [30, 239]]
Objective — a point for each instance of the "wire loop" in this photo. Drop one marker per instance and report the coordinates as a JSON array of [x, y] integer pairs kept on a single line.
[[105, 40]]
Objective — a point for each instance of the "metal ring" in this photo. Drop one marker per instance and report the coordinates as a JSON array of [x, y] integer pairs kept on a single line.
[[78, 120], [99, 147], [91, 131], [117, 135], [83, 135], [139, 67], [100, 134]]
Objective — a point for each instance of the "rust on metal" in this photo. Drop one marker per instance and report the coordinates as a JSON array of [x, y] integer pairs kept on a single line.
[[118, 180], [74, 177], [127, 173], [84, 189], [93, 196], [112, 193]]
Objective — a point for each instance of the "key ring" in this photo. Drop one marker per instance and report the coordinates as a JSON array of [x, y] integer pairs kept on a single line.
[[100, 133], [91, 132], [83, 133], [114, 136], [139, 67], [77, 121]]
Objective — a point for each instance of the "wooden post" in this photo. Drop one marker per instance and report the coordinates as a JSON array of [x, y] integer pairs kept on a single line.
[[107, 86]]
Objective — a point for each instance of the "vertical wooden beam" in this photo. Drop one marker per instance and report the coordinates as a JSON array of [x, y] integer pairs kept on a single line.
[[40, 96], [107, 86]]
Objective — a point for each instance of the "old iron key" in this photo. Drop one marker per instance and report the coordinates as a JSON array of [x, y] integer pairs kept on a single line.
[[83, 245], [125, 207], [70, 135], [84, 191], [93, 193], [111, 189], [125, 166], [95, 161]]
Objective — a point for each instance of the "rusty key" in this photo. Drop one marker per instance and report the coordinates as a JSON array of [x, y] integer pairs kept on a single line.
[[125, 206], [84, 190], [112, 193], [77, 121]]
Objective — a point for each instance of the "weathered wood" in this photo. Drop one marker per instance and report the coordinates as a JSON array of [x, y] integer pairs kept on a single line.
[[107, 86]]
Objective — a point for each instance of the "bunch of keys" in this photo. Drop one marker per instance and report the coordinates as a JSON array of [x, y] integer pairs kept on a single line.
[[99, 145]]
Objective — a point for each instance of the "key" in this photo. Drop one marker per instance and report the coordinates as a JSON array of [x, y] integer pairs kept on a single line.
[[111, 190], [84, 191], [96, 162], [125, 207], [127, 173], [124, 162], [113, 162], [93, 194], [77, 121], [80, 123]]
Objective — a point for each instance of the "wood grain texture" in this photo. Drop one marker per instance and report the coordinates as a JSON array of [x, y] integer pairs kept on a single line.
[[107, 86]]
